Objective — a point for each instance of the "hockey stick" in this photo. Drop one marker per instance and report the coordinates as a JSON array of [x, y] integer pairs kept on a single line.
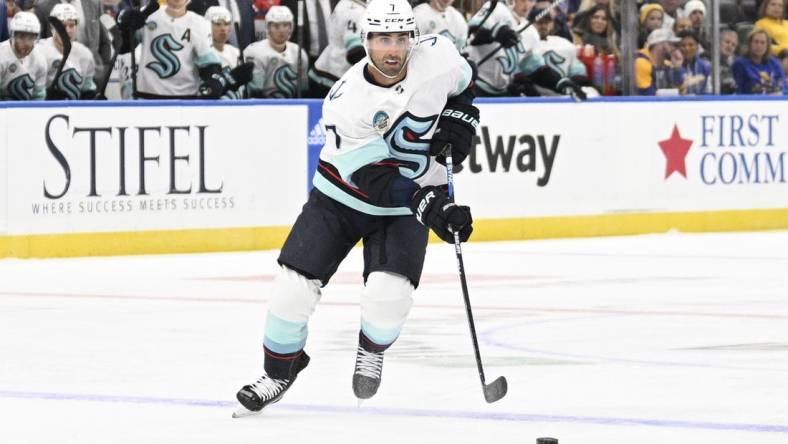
[[496, 389], [117, 43], [539, 16], [65, 40], [241, 59], [300, 38]]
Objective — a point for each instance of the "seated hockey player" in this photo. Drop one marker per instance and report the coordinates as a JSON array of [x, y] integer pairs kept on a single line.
[[344, 47], [176, 58], [221, 20], [76, 79], [440, 17], [514, 70], [275, 59], [23, 70], [381, 179]]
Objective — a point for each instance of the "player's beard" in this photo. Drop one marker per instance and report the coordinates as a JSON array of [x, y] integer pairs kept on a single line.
[[390, 69]]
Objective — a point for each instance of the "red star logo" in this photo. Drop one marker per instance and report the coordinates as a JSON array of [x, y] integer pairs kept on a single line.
[[675, 150]]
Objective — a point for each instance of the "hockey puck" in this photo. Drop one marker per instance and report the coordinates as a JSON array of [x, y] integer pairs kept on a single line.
[[546, 441]]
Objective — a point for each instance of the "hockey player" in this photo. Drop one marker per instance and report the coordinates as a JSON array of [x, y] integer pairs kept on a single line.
[[176, 58], [221, 20], [440, 17], [275, 59], [514, 70], [76, 79], [23, 70], [380, 179], [559, 53], [344, 47]]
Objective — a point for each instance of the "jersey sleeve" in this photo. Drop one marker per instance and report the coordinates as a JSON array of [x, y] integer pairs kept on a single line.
[[89, 69], [204, 53], [351, 34], [253, 54], [40, 88]]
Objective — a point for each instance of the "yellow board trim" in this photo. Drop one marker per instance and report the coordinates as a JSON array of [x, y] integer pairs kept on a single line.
[[262, 238]]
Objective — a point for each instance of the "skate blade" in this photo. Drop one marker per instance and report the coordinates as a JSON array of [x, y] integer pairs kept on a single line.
[[243, 412]]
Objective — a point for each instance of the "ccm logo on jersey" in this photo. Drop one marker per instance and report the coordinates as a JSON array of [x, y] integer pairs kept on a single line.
[[422, 205], [454, 114]]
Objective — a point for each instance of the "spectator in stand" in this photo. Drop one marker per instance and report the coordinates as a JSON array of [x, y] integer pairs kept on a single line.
[[671, 10], [596, 29], [587, 5], [650, 61], [682, 24], [651, 18], [729, 43], [783, 57], [757, 71], [772, 14], [695, 10], [695, 71]]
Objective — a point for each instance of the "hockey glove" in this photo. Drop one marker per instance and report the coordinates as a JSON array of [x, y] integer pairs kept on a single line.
[[130, 20], [213, 87], [568, 86], [456, 126], [521, 85], [506, 36], [434, 209], [481, 36], [355, 54], [239, 76]]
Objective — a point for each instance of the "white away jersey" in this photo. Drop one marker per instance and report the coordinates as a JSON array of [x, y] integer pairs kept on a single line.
[[228, 56], [449, 23], [23, 79], [561, 55], [172, 51], [365, 123], [77, 75], [344, 32], [496, 73], [275, 73]]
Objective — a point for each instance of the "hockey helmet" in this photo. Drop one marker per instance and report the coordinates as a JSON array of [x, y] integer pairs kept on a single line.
[[279, 14], [64, 11], [389, 16], [25, 22], [216, 14]]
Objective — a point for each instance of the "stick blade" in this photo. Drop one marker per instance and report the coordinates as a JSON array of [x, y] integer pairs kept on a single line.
[[495, 390]]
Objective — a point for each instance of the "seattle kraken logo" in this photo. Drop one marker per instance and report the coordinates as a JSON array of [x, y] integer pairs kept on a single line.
[[510, 58], [406, 143], [69, 83], [285, 81], [163, 49], [554, 60], [21, 88]]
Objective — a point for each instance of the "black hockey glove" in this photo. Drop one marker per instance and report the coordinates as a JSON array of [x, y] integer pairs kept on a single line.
[[507, 37], [521, 85], [481, 36], [434, 209], [213, 86], [131, 19], [355, 54], [456, 126], [239, 76], [568, 86], [54, 93]]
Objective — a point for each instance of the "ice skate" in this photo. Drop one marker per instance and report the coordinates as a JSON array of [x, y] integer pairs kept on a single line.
[[266, 390], [366, 378]]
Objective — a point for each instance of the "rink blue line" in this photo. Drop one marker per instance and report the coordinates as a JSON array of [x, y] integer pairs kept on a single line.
[[419, 413]]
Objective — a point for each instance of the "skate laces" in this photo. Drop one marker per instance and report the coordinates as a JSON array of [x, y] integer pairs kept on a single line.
[[369, 363], [267, 387]]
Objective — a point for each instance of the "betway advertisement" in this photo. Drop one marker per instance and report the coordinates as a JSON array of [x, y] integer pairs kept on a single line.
[[129, 168], [554, 159]]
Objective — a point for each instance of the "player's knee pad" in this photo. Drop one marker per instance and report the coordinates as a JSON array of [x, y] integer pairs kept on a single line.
[[385, 304], [293, 302]]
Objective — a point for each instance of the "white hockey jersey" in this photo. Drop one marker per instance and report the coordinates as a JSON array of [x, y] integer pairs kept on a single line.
[[172, 51], [496, 73], [344, 32], [449, 23], [365, 123], [22, 79], [561, 55], [228, 56], [79, 72], [275, 73]]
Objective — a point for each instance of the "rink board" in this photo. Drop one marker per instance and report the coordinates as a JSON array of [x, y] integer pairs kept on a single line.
[[171, 177]]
